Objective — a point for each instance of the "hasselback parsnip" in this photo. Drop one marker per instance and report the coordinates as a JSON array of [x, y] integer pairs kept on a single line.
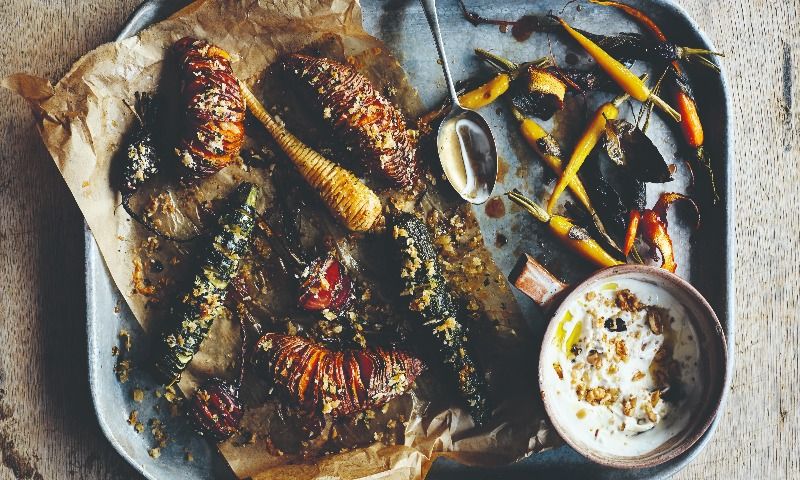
[[320, 380], [213, 129], [196, 310], [347, 198], [426, 290], [368, 125]]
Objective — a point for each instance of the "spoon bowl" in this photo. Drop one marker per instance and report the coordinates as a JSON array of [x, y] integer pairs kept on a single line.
[[468, 154]]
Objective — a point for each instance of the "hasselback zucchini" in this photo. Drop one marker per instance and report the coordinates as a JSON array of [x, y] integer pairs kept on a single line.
[[197, 309], [428, 295]]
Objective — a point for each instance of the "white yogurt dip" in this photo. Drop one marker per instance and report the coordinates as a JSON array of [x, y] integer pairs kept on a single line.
[[623, 368]]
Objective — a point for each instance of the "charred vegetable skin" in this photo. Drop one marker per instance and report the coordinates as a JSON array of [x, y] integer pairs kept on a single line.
[[216, 409], [141, 160], [426, 290], [339, 383], [215, 110], [366, 122], [197, 310]]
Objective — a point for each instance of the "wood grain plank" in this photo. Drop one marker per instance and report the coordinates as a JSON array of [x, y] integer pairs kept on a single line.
[[47, 427]]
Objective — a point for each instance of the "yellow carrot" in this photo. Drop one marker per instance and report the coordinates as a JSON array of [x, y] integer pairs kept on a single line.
[[584, 147], [348, 199], [486, 93], [474, 99], [627, 80], [573, 236], [549, 150]]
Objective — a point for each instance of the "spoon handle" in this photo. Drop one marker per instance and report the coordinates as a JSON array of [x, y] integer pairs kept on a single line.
[[433, 21]]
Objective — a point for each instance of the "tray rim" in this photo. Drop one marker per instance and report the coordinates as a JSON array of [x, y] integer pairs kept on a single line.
[[147, 13]]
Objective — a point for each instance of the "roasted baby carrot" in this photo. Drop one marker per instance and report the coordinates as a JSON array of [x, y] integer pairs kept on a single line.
[[691, 126], [575, 237], [627, 80], [548, 149], [584, 147], [630, 233]]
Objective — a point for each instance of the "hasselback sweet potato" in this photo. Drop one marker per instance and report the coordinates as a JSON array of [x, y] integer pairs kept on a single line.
[[321, 380], [213, 129], [367, 124]]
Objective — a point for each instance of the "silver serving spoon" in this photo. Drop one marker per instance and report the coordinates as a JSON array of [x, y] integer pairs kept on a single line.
[[465, 142]]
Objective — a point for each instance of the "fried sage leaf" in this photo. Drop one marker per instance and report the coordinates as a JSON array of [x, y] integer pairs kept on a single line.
[[626, 144]]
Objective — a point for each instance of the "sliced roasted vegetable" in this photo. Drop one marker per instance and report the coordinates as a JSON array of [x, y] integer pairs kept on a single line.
[[622, 46], [323, 381], [654, 233], [687, 106], [216, 409], [348, 199], [626, 144], [626, 79], [535, 90], [197, 309], [213, 130], [547, 147], [630, 234], [428, 296], [473, 96], [369, 127], [585, 145], [574, 236], [654, 227]]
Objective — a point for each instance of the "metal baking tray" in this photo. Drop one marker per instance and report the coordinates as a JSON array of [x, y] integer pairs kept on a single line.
[[402, 26]]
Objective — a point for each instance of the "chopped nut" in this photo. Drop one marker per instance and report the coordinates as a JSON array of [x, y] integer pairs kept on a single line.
[[628, 405], [654, 321], [559, 371], [627, 301], [594, 358], [655, 397], [137, 395], [621, 349], [637, 376]]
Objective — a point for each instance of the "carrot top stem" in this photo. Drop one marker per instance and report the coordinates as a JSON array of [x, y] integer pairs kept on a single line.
[[626, 79]]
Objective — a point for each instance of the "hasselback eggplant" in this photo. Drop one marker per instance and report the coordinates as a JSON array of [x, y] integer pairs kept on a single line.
[[320, 380], [197, 309], [213, 131], [426, 290], [368, 124]]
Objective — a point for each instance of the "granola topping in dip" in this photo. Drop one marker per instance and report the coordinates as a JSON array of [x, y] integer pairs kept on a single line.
[[624, 367]]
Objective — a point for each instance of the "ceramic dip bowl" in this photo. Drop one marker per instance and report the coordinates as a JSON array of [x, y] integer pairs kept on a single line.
[[633, 366]]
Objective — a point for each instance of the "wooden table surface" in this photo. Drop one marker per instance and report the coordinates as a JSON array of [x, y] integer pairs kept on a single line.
[[47, 425]]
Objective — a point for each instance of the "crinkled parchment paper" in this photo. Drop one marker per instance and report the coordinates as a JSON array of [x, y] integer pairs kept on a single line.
[[83, 120]]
